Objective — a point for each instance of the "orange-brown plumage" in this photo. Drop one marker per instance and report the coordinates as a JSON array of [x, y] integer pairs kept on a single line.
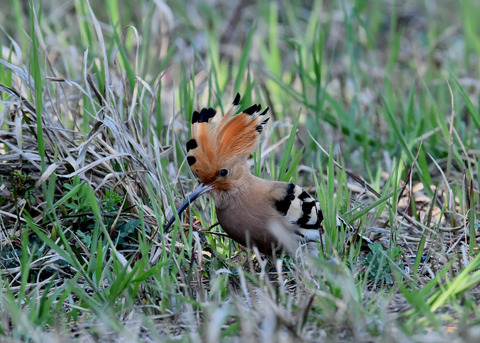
[[269, 214], [224, 142]]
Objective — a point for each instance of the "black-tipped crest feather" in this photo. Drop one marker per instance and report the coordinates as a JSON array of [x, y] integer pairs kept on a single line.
[[191, 160], [205, 115], [191, 144], [236, 101], [252, 109]]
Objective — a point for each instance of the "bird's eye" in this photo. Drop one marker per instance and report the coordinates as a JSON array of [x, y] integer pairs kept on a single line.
[[223, 172]]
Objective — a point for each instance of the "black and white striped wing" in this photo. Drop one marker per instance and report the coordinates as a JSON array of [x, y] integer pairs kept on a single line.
[[304, 211]]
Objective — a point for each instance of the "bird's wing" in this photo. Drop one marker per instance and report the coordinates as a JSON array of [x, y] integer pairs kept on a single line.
[[304, 212]]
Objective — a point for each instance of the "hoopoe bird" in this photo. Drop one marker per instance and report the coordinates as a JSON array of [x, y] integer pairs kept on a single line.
[[271, 215]]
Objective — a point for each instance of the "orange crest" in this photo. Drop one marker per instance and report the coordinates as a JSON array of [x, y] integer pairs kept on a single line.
[[216, 143]]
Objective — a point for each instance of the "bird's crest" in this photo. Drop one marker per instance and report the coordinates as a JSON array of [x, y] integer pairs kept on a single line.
[[217, 141]]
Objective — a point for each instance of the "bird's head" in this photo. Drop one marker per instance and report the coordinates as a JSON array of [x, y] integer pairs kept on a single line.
[[220, 146]]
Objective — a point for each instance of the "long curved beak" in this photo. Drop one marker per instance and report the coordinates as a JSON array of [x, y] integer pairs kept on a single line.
[[201, 189]]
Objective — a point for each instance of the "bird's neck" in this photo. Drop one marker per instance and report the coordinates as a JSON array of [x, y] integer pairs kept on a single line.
[[237, 192]]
